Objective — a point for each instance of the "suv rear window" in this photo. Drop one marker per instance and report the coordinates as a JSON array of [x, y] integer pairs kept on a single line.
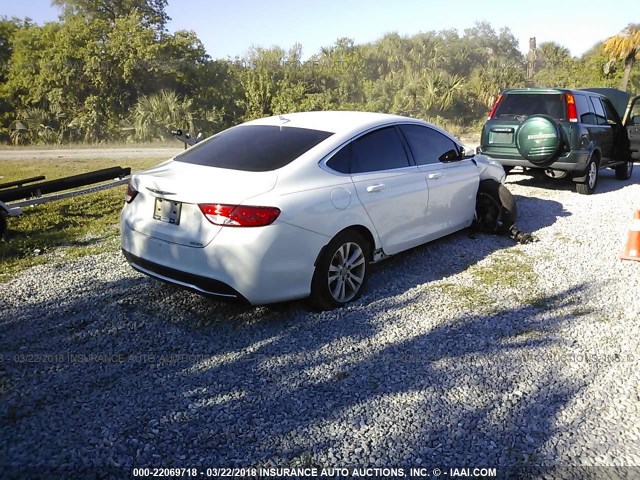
[[527, 104], [253, 148]]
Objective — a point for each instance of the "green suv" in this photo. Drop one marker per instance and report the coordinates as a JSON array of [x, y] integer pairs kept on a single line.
[[565, 132]]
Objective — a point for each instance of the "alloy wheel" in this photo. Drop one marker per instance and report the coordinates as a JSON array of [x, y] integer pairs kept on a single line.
[[346, 272], [593, 174]]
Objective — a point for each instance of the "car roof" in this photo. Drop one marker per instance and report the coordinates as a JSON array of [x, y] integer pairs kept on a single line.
[[535, 90], [598, 92], [340, 122]]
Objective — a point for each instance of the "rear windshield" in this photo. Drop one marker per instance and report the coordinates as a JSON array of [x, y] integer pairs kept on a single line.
[[517, 105], [253, 148]]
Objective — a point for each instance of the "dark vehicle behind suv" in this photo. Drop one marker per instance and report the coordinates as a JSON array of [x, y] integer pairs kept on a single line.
[[565, 132]]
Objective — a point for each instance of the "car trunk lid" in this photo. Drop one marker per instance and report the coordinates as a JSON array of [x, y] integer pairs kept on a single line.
[[166, 206]]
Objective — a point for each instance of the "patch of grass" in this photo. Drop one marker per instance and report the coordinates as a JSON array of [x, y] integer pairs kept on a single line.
[[528, 333], [69, 228], [582, 311], [562, 238], [507, 273], [510, 268], [464, 296]]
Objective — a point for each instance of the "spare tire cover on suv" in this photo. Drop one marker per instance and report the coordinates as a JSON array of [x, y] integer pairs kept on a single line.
[[539, 140]]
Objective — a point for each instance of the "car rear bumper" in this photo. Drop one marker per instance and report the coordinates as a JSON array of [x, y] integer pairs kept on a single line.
[[573, 162], [202, 285], [258, 265]]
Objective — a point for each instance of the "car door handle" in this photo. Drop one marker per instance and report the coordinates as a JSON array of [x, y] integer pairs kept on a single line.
[[434, 176], [375, 188]]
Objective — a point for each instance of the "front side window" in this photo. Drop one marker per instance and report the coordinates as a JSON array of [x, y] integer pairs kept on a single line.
[[634, 114], [610, 112], [253, 148], [379, 150], [427, 145]]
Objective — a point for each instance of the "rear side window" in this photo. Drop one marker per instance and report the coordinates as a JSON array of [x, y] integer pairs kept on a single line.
[[526, 104], [341, 161], [597, 107], [427, 145], [379, 150], [253, 148], [585, 110]]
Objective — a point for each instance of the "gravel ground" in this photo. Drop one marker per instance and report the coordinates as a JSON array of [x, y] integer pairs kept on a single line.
[[464, 352]]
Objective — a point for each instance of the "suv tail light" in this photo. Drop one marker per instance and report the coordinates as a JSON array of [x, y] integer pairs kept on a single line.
[[239, 215], [572, 113], [131, 194], [493, 109]]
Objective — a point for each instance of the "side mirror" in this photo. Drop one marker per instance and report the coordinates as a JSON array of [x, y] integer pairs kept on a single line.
[[635, 120], [449, 156]]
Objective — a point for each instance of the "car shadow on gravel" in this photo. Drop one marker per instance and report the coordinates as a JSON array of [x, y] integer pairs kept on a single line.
[[607, 181], [477, 389], [535, 213], [455, 253], [138, 374]]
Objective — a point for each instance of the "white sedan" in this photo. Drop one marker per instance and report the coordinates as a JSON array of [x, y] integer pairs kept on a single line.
[[298, 205]]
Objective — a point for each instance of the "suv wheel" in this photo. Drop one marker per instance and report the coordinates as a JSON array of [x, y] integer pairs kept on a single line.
[[588, 185], [624, 171]]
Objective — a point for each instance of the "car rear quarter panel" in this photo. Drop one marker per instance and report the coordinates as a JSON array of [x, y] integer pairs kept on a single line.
[[326, 204]]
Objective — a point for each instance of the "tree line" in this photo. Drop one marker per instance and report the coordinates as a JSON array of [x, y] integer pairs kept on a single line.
[[109, 70]]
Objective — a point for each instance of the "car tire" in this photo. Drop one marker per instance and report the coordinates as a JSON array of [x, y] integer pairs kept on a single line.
[[588, 185], [624, 171], [341, 271], [540, 139], [496, 209]]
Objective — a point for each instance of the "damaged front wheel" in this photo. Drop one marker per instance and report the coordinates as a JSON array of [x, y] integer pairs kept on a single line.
[[496, 209], [496, 212]]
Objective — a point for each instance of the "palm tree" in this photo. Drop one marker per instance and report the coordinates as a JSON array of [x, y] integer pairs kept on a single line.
[[154, 116], [553, 54], [624, 46], [450, 86]]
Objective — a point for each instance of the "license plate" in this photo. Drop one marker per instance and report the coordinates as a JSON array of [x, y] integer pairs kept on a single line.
[[501, 137], [167, 211]]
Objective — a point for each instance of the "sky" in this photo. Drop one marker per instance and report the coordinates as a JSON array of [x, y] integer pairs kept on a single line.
[[230, 28]]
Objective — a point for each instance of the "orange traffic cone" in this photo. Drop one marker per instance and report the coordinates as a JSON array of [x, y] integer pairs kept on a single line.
[[632, 250]]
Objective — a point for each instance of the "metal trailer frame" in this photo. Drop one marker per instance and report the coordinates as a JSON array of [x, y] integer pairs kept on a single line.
[[31, 191]]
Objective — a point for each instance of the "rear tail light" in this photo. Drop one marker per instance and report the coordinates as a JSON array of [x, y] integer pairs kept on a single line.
[[493, 109], [572, 113], [131, 194], [239, 215]]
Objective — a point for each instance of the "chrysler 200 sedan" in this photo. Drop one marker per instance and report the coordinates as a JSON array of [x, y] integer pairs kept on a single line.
[[299, 205]]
